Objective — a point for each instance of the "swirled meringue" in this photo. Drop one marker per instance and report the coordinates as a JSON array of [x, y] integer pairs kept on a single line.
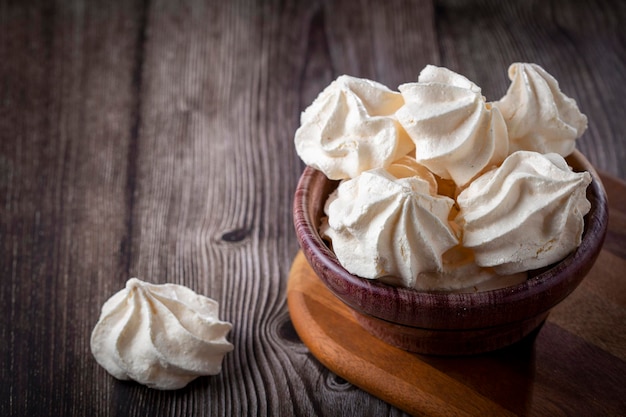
[[457, 135], [162, 336], [388, 228], [538, 115], [350, 128], [526, 214]]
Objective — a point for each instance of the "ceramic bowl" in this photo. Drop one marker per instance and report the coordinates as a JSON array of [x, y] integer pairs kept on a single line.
[[448, 323]]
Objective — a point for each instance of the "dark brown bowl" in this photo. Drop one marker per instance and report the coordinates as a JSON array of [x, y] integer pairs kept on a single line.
[[448, 323]]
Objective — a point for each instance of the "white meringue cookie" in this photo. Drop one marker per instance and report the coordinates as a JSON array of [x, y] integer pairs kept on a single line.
[[350, 128], [526, 214], [382, 226], [457, 135], [460, 274], [162, 336], [538, 115]]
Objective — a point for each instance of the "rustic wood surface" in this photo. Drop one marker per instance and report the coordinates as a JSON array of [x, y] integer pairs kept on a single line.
[[153, 138]]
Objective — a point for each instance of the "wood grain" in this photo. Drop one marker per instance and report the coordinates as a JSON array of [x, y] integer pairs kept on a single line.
[[153, 138]]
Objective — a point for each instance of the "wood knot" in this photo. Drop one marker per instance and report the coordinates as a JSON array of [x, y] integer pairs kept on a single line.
[[287, 332], [236, 235], [336, 383]]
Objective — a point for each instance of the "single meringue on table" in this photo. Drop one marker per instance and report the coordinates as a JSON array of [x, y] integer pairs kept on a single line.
[[350, 128], [389, 228], [457, 135], [162, 336], [526, 214], [538, 115]]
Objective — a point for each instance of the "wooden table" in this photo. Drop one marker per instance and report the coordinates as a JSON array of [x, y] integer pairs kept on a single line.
[[154, 139]]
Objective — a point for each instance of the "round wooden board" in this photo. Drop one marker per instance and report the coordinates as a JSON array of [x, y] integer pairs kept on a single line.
[[576, 363]]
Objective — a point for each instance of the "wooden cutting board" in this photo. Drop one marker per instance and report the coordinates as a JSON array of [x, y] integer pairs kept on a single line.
[[574, 365]]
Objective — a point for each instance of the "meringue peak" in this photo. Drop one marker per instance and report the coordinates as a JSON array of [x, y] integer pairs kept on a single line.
[[350, 128], [538, 115]]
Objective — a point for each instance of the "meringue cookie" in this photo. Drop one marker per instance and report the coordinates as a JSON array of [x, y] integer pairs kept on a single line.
[[162, 336], [526, 214], [457, 135], [350, 128], [382, 226], [460, 274], [407, 166], [538, 115]]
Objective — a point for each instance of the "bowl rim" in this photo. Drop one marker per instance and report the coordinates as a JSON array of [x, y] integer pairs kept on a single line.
[[411, 307]]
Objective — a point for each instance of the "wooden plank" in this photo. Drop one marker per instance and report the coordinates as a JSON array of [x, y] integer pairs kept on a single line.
[[68, 106]]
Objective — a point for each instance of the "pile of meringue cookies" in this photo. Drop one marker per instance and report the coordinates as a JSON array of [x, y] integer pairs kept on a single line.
[[442, 190]]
